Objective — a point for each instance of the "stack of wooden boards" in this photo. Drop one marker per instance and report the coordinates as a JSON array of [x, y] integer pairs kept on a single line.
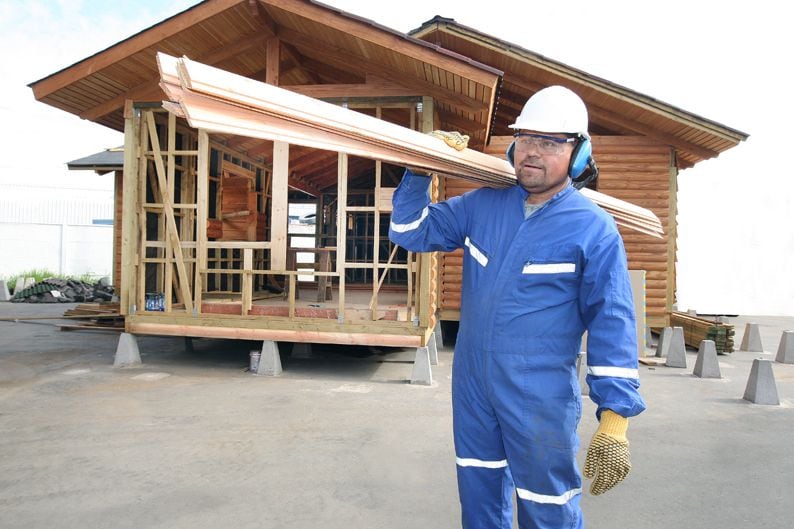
[[222, 102], [94, 316], [697, 329]]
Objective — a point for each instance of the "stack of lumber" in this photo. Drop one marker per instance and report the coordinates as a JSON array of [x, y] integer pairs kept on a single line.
[[222, 102], [102, 316], [697, 329]]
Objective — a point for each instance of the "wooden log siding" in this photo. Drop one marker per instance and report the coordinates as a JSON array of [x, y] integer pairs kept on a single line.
[[642, 171], [633, 169]]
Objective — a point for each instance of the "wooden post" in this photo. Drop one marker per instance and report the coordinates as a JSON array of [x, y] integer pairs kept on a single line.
[[425, 272], [129, 211], [341, 228], [279, 206], [202, 197], [672, 233], [168, 280], [246, 283]]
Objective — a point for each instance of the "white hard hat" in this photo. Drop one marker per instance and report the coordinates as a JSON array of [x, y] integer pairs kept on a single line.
[[554, 109]]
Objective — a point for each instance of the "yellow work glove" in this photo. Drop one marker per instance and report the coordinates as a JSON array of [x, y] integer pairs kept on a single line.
[[456, 140], [608, 455]]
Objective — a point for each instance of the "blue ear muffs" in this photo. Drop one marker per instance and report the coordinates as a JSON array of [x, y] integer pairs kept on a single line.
[[580, 157], [510, 153]]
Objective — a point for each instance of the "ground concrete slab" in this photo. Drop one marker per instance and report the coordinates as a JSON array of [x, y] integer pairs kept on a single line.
[[341, 440]]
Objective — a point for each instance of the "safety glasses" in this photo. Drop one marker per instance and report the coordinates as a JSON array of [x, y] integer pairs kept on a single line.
[[544, 144]]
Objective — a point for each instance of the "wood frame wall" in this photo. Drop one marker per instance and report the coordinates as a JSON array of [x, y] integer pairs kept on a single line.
[[179, 250]]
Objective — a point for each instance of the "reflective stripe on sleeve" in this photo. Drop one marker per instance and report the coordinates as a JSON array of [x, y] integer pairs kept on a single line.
[[402, 228], [476, 253], [562, 499], [617, 372], [468, 462]]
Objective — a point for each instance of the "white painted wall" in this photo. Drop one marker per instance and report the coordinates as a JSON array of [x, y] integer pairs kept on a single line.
[[56, 234]]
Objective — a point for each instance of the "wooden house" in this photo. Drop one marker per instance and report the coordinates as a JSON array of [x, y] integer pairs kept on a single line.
[[206, 247]]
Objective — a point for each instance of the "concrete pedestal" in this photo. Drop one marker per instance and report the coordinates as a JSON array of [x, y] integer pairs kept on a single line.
[[127, 353]]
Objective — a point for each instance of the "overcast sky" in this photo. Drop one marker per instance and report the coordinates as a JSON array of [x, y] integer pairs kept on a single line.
[[723, 60]]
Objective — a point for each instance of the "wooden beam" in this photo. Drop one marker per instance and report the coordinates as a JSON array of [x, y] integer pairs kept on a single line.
[[212, 98], [242, 329], [323, 91], [130, 46], [273, 61], [279, 206]]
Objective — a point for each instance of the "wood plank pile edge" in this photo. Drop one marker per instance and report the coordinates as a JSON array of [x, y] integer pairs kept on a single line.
[[697, 329], [221, 102]]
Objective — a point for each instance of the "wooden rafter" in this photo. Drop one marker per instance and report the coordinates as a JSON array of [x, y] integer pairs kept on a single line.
[[345, 59], [150, 89]]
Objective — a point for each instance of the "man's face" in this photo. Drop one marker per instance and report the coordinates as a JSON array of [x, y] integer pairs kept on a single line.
[[538, 172]]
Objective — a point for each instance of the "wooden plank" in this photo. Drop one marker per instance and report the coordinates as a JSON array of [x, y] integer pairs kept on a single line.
[[279, 206]]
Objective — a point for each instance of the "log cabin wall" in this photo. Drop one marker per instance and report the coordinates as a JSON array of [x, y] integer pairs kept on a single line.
[[632, 168], [642, 171]]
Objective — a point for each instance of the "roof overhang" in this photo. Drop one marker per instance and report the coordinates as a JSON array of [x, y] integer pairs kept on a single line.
[[317, 45], [613, 109]]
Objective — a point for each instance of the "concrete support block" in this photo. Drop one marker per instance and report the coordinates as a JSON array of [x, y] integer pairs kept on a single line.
[[785, 351], [302, 350], [422, 373], [432, 350], [19, 285], [664, 342], [648, 337], [676, 352], [761, 388], [127, 353], [5, 295], [437, 334], [269, 359], [707, 365], [29, 282], [751, 341], [581, 372]]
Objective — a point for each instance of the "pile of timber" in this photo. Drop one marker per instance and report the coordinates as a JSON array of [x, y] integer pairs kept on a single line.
[[94, 316], [222, 102], [698, 328]]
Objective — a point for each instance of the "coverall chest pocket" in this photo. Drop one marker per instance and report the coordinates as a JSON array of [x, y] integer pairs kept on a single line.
[[549, 275]]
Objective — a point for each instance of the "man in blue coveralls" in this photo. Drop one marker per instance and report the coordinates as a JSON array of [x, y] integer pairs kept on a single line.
[[542, 264]]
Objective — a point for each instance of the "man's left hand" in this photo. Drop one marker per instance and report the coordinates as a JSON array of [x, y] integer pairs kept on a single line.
[[608, 459]]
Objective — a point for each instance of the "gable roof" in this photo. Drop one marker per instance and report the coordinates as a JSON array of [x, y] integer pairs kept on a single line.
[[613, 109], [319, 45]]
